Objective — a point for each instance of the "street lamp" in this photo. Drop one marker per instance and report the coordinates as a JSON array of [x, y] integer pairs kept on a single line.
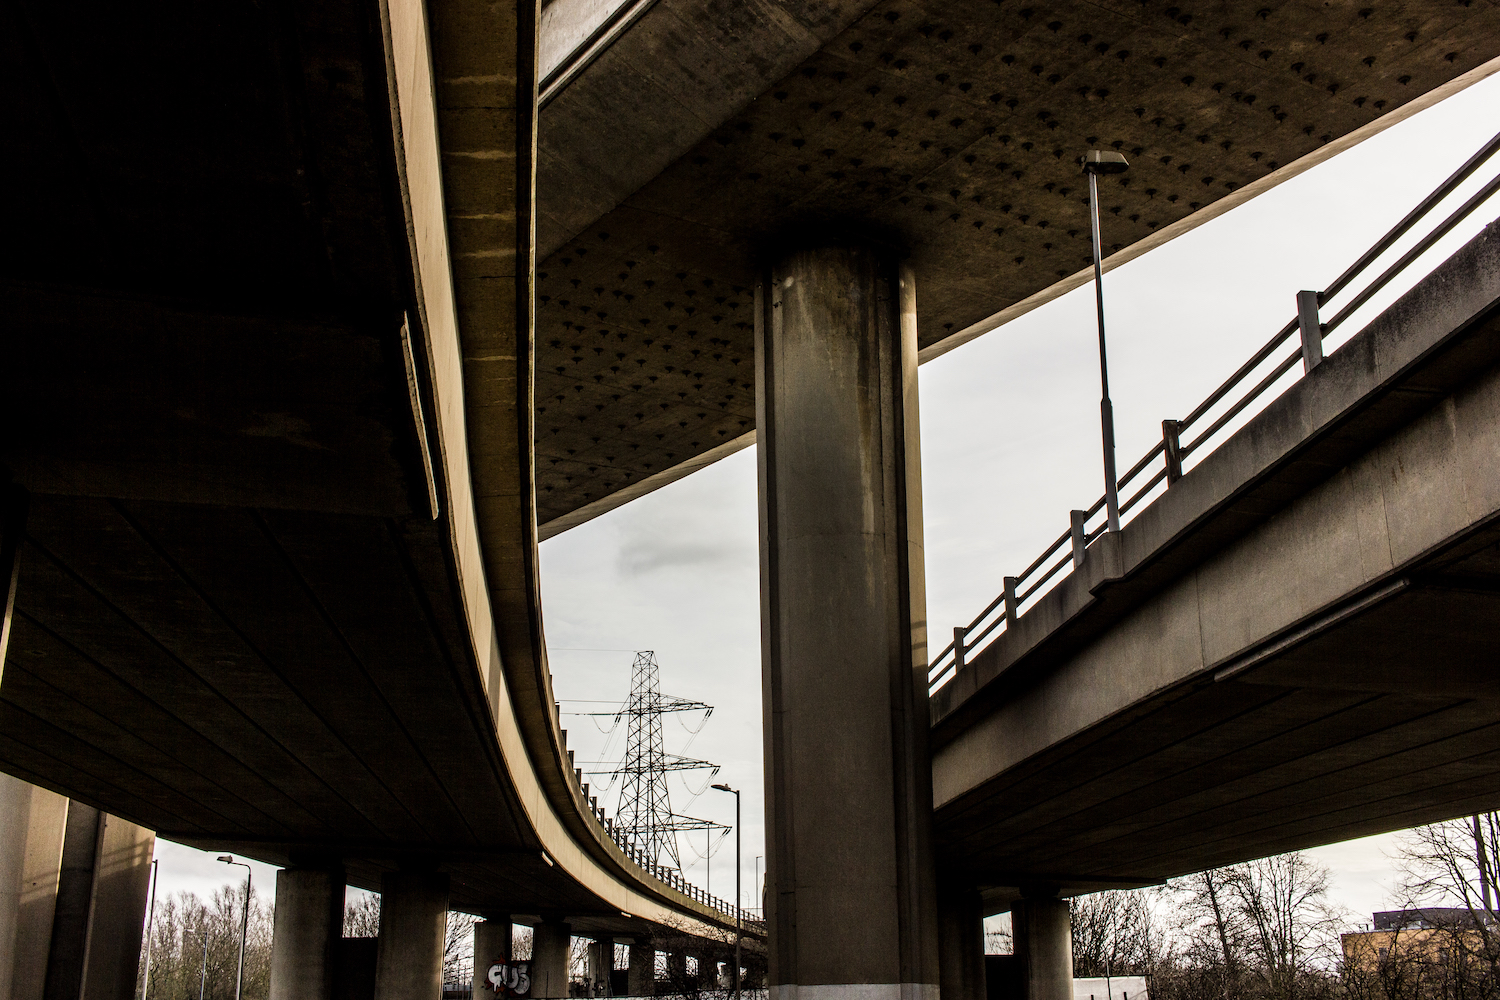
[[1096, 162], [239, 976], [737, 929]]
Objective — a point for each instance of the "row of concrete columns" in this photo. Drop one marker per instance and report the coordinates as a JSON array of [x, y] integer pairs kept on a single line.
[[73, 885]]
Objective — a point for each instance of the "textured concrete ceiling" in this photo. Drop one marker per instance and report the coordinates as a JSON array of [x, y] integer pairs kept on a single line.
[[953, 128]]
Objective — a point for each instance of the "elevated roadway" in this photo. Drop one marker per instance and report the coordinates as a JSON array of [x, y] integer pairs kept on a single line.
[[267, 390], [317, 328], [1291, 647]]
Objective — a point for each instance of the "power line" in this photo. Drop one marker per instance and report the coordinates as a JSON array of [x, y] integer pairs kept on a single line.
[[645, 815]]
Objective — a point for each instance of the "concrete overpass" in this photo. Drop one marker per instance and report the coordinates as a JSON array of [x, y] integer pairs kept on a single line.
[[285, 439], [1289, 648]]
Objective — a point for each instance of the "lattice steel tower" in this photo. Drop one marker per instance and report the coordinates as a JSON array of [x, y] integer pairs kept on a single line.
[[645, 816]]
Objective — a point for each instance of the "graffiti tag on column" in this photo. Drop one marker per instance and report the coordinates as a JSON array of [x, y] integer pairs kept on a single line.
[[510, 979]]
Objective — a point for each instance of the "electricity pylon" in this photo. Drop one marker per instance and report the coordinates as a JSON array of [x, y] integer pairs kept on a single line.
[[644, 817]]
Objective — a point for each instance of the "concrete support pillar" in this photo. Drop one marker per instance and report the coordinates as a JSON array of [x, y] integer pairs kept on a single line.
[[1043, 934], [309, 923], [99, 913], [961, 942], [413, 927], [32, 821], [550, 944], [641, 979], [601, 962], [492, 944], [850, 899]]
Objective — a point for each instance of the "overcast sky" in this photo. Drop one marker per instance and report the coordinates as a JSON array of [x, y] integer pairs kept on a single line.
[[1010, 442]]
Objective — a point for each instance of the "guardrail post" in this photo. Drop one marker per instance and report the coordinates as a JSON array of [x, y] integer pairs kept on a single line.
[[958, 647], [1171, 440], [1010, 601], [1312, 330], [1080, 535]]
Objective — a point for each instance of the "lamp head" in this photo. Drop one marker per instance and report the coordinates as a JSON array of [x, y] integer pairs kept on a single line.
[[1104, 161], [226, 859], [724, 788]]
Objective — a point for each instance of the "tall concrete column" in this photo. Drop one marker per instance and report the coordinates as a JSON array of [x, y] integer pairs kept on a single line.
[[641, 977], [1043, 934], [309, 923], [601, 961], [850, 900], [961, 942], [492, 943], [413, 928], [550, 942], [32, 822]]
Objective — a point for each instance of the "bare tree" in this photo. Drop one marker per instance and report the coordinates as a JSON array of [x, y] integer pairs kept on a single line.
[[195, 945], [1114, 933], [361, 913], [1290, 928]]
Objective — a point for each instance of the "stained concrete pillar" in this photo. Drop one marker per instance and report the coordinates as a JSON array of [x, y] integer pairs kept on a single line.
[[413, 928], [309, 923], [550, 944], [601, 961], [32, 822], [960, 942], [492, 943], [850, 900], [99, 913], [1042, 932], [641, 977]]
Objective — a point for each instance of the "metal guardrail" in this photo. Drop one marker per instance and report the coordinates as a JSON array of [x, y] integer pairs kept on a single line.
[[1169, 454], [670, 877]]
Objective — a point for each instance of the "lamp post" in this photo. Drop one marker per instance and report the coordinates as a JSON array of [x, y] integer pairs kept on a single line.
[[1096, 162], [150, 928], [203, 976], [239, 976], [755, 892], [737, 928]]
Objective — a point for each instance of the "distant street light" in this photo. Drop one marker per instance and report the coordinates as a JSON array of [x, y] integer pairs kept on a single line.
[[239, 976], [737, 898], [150, 927], [1096, 162]]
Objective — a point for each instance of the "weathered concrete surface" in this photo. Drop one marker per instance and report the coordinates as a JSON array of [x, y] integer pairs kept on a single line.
[[309, 923], [1289, 648], [849, 892], [413, 922], [32, 821], [953, 129], [1043, 941]]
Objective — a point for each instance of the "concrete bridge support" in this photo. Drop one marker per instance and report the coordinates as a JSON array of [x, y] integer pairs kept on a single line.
[[601, 960], [413, 928], [641, 978], [73, 885], [309, 924], [550, 941], [492, 943], [961, 942], [1042, 930], [850, 900]]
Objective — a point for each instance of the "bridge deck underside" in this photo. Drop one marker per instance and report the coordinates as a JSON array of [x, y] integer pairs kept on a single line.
[[1386, 721], [275, 682], [949, 129]]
